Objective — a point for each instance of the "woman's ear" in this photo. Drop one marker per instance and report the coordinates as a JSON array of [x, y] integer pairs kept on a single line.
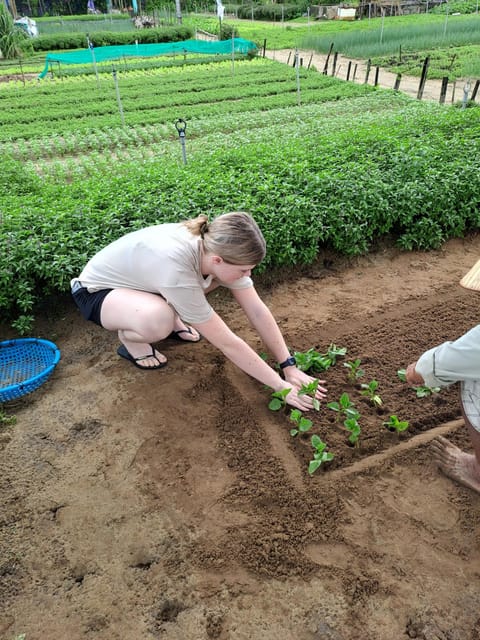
[[217, 260]]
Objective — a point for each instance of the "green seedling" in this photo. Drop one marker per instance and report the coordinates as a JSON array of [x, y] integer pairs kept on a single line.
[[354, 371], [421, 391], [311, 360], [394, 424], [316, 362], [333, 352], [424, 392], [352, 425], [303, 424], [344, 406], [310, 389], [279, 399], [320, 455], [370, 391]]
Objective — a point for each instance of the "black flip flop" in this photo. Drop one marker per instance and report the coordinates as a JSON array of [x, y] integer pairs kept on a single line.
[[122, 351], [176, 335]]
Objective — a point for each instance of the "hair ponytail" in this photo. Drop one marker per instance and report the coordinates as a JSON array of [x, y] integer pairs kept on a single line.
[[234, 236]]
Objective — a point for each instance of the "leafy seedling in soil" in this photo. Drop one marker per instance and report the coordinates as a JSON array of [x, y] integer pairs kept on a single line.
[[311, 360], [279, 399], [303, 424], [352, 425], [344, 406], [310, 389], [354, 371], [424, 392], [394, 424], [370, 391], [314, 361], [333, 352], [320, 455]]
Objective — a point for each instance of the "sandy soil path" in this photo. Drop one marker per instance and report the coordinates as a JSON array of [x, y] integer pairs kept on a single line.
[[358, 73]]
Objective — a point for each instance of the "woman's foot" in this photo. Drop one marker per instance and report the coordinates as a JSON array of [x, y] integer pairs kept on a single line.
[[143, 355], [456, 464], [184, 332]]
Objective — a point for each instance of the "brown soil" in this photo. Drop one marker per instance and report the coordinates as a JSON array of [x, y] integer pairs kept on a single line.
[[175, 505], [18, 76]]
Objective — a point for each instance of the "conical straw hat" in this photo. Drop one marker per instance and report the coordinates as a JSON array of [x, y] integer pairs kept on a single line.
[[471, 280]]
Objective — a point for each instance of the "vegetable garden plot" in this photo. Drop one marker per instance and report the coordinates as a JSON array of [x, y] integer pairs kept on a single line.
[[177, 506], [378, 407], [81, 105]]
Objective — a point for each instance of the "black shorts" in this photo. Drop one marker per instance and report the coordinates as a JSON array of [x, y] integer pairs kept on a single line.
[[90, 304]]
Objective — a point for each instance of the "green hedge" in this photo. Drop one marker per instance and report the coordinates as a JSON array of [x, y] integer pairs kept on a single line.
[[413, 176], [68, 41], [272, 12]]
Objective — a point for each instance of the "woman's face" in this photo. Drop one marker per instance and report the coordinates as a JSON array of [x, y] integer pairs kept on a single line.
[[227, 272]]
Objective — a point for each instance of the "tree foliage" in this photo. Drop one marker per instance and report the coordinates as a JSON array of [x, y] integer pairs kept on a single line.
[[13, 40]]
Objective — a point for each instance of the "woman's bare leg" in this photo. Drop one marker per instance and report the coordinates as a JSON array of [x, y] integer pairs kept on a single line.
[[140, 318]]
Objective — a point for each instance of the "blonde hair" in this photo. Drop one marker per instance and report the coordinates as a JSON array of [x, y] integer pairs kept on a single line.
[[234, 236]]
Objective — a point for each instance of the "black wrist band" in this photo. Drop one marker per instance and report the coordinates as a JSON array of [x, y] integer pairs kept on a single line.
[[289, 362]]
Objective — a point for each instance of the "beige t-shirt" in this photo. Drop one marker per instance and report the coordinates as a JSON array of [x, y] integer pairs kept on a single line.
[[161, 259]]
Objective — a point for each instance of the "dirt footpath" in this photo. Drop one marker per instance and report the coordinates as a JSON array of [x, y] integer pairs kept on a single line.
[[358, 73]]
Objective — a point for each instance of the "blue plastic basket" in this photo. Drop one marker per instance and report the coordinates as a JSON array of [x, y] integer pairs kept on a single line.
[[25, 364]]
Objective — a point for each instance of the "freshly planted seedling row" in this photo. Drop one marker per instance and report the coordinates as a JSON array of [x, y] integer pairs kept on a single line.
[[348, 417]]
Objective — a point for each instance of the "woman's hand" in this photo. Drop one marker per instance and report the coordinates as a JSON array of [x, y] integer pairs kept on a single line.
[[412, 377], [296, 378]]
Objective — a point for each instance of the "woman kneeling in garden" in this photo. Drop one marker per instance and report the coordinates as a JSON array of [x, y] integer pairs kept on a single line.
[[151, 284]]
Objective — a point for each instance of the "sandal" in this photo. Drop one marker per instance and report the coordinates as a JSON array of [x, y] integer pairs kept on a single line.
[[177, 335], [122, 351]]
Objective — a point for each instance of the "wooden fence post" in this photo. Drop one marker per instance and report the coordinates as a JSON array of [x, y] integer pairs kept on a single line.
[[325, 66], [475, 90], [355, 72], [369, 64], [288, 59], [396, 86], [443, 90], [310, 61], [334, 64], [349, 68], [377, 71], [264, 47], [423, 78]]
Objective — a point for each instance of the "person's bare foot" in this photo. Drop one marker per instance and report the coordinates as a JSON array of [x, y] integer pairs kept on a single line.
[[456, 464]]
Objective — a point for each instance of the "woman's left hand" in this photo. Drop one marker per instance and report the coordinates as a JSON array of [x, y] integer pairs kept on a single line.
[[298, 378]]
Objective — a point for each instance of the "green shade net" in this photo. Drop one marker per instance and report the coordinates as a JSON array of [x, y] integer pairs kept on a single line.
[[100, 54]]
